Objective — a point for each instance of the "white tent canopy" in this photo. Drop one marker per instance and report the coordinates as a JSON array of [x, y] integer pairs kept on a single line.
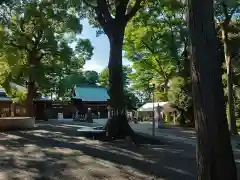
[[148, 107]]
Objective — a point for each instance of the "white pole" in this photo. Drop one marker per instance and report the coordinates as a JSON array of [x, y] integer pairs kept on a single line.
[[158, 117], [153, 119]]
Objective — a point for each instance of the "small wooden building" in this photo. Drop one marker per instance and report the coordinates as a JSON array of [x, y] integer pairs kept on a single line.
[[91, 96], [5, 104]]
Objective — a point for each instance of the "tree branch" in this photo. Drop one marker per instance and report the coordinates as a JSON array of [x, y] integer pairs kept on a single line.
[[148, 47], [22, 30], [104, 9], [90, 5], [102, 21], [134, 10], [22, 25], [41, 55], [17, 46], [228, 16], [121, 8], [161, 71]]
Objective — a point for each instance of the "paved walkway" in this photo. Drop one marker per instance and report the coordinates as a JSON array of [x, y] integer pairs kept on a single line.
[[168, 132], [175, 134], [172, 133], [54, 150]]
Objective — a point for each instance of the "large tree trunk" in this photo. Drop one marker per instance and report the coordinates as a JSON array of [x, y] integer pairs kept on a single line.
[[30, 97], [215, 160], [116, 76], [228, 60], [117, 126], [31, 84]]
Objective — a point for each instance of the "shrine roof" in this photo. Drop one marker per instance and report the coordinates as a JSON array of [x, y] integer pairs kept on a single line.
[[90, 93], [3, 95]]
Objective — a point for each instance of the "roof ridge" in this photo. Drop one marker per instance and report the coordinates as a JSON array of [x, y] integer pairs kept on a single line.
[[88, 85]]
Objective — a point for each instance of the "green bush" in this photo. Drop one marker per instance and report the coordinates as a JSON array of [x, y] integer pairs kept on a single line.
[[180, 95]]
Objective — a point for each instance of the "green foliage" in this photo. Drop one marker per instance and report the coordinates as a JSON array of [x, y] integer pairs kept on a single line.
[[130, 98], [91, 77], [179, 93], [99, 11], [104, 77], [78, 77], [140, 81], [38, 33], [154, 42], [17, 95]]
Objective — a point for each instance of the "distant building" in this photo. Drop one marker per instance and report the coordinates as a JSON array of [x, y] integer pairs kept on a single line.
[[5, 104], [3, 96], [92, 96]]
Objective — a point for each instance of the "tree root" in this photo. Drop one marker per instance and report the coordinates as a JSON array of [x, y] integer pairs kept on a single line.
[[118, 127]]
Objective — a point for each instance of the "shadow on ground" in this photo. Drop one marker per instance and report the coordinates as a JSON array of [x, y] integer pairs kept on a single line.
[[55, 151]]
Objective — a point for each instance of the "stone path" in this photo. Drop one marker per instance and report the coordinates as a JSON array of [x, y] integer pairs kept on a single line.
[[177, 134], [55, 151]]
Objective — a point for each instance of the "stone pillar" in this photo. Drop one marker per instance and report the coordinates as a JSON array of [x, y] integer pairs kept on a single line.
[[12, 110], [89, 117], [160, 120], [109, 112]]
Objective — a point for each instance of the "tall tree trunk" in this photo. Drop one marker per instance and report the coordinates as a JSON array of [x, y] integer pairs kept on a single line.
[[30, 97], [117, 126], [116, 75], [228, 60], [31, 83], [215, 160]]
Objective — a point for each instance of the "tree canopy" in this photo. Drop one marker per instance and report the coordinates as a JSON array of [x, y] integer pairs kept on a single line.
[[36, 40]]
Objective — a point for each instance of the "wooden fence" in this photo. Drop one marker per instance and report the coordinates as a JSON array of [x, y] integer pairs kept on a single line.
[[5, 109], [49, 111]]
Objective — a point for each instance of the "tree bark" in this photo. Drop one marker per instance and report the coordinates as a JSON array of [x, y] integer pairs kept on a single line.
[[116, 74], [228, 60], [215, 160], [232, 118], [114, 28], [31, 84], [30, 97], [117, 126]]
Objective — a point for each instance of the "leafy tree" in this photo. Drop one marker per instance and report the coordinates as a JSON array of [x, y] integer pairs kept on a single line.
[[66, 85], [91, 77], [112, 16], [104, 77], [129, 97], [226, 26], [17, 95], [157, 46], [38, 30], [61, 76], [214, 151], [155, 41], [141, 79], [180, 95]]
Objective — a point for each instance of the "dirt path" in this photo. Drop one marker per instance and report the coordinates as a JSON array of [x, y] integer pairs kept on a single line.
[[55, 151]]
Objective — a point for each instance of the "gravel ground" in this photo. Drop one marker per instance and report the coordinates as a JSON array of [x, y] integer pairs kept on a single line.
[[55, 151]]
